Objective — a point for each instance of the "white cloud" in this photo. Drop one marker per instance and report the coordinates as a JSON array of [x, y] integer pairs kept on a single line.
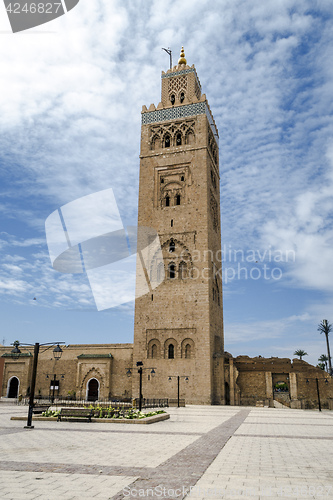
[[12, 268], [70, 105], [12, 286]]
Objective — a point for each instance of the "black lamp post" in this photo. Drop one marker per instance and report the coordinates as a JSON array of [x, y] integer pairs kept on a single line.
[[178, 377], [54, 384], [317, 387], [57, 352], [139, 364]]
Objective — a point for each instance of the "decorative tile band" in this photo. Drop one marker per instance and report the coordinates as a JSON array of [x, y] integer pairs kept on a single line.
[[177, 73], [162, 115]]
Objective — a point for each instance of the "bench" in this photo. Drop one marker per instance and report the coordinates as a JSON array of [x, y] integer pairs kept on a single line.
[[40, 408], [75, 414]]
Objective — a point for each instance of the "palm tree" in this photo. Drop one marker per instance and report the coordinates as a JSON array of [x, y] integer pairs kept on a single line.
[[300, 353], [323, 359], [326, 327]]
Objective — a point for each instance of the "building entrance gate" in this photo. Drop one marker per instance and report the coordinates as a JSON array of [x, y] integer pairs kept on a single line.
[[13, 387], [93, 386]]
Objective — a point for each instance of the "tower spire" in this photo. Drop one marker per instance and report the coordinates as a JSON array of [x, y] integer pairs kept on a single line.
[[182, 59]]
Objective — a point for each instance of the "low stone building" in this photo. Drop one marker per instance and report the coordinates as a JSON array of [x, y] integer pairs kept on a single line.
[[106, 372], [88, 372]]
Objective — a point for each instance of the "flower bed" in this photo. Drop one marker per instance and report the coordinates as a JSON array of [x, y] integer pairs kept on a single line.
[[114, 413], [141, 418]]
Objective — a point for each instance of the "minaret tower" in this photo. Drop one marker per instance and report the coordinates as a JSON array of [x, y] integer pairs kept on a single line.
[[178, 327]]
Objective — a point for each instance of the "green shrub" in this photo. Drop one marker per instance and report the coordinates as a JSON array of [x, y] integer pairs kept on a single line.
[[50, 413]]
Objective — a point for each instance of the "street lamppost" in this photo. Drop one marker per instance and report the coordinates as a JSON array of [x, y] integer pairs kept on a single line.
[[325, 327], [317, 387], [139, 364], [57, 352], [54, 385], [178, 377]]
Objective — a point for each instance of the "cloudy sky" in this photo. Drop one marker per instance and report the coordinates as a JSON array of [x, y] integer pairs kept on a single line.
[[71, 97]]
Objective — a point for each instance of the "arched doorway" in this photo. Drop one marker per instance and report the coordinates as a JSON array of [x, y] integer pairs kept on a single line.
[[227, 393], [13, 385], [92, 389]]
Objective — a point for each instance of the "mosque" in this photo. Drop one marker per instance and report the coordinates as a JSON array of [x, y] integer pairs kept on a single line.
[[178, 327]]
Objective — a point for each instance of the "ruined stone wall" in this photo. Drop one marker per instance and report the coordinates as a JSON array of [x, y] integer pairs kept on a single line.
[[259, 379]]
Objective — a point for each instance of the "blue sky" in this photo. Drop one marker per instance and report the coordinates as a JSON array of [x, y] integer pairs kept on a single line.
[[71, 97]]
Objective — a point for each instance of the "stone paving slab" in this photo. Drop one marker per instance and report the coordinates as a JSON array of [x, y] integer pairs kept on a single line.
[[88, 447], [199, 453], [285, 429], [45, 486], [263, 466], [196, 420], [185, 468]]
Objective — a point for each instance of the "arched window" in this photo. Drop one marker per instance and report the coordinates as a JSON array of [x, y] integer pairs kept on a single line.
[[160, 272], [179, 139], [213, 178], [188, 351], [182, 270], [172, 271], [178, 199], [217, 292], [171, 351], [172, 99], [190, 139], [182, 97], [172, 246], [162, 180], [167, 141], [182, 178], [154, 351], [156, 142], [167, 201]]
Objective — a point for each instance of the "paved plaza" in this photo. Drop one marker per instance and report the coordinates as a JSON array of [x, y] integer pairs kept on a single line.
[[202, 452]]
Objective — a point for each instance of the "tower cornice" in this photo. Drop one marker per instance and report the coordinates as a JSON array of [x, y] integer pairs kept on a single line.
[[183, 111]]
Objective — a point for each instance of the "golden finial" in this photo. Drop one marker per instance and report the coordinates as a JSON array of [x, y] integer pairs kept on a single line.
[[182, 59]]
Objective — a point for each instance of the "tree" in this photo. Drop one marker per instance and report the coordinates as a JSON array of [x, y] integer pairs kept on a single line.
[[300, 353], [326, 327], [323, 361]]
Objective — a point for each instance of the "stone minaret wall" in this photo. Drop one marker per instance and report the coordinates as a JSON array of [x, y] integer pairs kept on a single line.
[[179, 197]]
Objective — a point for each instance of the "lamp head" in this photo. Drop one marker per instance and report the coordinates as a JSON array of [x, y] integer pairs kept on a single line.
[[57, 352], [16, 351]]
